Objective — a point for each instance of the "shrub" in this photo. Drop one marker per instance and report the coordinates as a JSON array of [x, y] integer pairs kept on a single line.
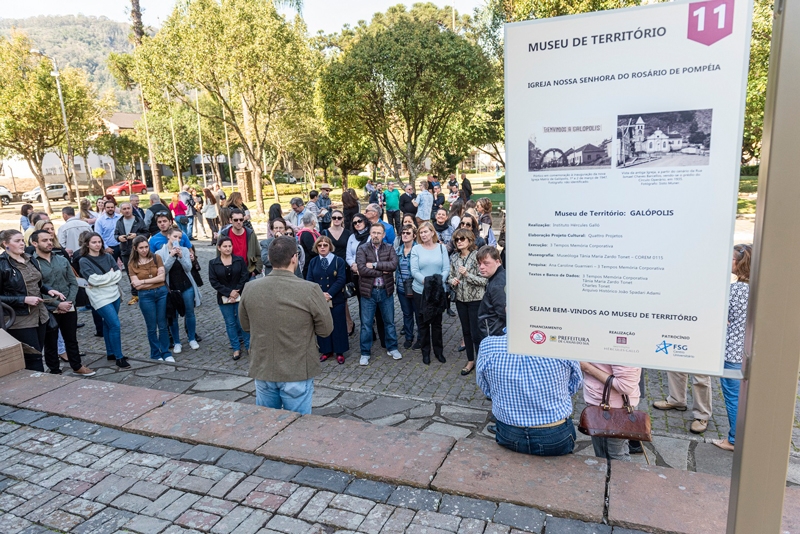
[[287, 189], [486, 183], [502, 179], [749, 170], [170, 183], [498, 188], [357, 182]]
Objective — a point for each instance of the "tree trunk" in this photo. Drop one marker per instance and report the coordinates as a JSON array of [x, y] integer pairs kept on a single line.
[[272, 180], [36, 169], [68, 178], [136, 22]]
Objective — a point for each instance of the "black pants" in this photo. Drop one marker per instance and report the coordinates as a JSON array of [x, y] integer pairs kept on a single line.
[[395, 218], [212, 225], [468, 315], [430, 332], [68, 325], [126, 258], [33, 336]]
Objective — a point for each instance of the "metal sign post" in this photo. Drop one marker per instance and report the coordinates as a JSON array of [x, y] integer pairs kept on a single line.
[[768, 392]]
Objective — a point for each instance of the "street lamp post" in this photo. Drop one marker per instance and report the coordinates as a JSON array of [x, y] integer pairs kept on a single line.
[[70, 160]]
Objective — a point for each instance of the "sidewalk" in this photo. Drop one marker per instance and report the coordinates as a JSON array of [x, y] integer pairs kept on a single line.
[[144, 461]]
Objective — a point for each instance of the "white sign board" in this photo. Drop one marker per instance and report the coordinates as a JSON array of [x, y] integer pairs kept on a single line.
[[623, 139]]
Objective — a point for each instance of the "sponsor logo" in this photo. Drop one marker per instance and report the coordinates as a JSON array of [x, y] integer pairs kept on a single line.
[[538, 337], [663, 347], [622, 340], [573, 340], [553, 338]]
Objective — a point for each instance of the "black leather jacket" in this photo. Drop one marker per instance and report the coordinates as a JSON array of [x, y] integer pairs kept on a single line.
[[138, 228], [12, 286], [492, 311]]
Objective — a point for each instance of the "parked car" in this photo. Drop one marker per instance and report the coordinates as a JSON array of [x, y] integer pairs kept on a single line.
[[54, 192], [127, 187], [5, 196]]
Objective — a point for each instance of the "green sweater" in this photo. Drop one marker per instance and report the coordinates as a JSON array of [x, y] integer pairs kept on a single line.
[[392, 199]]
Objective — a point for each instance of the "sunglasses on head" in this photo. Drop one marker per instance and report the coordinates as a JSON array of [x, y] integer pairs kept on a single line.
[[162, 213]]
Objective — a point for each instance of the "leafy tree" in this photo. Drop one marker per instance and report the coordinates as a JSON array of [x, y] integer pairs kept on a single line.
[[760, 43], [245, 55], [184, 122], [30, 114], [404, 80]]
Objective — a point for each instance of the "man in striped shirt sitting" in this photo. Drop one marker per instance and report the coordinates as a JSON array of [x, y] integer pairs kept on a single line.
[[531, 398]]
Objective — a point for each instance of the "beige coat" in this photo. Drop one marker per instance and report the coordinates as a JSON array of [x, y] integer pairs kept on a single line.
[[284, 314]]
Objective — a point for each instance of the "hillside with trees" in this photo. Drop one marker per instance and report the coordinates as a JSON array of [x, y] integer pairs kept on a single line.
[[80, 42]]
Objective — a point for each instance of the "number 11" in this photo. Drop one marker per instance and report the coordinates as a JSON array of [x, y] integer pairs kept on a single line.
[[700, 13]]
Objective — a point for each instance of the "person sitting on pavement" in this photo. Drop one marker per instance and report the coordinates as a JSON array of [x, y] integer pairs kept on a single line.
[[284, 316], [492, 311], [531, 398]]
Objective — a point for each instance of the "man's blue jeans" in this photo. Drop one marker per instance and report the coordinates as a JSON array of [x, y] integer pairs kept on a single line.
[[230, 314], [379, 300], [190, 226], [189, 319], [730, 392], [550, 441], [111, 328], [153, 305], [292, 396]]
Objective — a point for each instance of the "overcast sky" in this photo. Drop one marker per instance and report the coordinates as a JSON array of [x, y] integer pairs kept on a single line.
[[326, 15]]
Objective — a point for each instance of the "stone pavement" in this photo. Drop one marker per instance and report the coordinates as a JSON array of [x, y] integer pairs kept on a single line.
[[404, 393]]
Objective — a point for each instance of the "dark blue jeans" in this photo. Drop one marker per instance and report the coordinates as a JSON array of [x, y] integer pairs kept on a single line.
[[153, 305], [111, 329], [551, 441], [230, 314], [189, 320], [379, 300], [409, 313]]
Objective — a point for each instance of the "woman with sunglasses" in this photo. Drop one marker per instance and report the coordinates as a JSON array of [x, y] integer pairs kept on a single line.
[[340, 235], [279, 227], [405, 293], [469, 222], [329, 271], [469, 286], [228, 275], [427, 260]]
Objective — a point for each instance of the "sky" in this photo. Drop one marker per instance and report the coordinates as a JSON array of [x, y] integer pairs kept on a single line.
[[326, 15]]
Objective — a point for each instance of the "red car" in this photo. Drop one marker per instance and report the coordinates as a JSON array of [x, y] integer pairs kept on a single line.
[[127, 187]]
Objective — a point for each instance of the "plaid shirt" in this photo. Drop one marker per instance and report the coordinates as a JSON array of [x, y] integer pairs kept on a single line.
[[526, 390]]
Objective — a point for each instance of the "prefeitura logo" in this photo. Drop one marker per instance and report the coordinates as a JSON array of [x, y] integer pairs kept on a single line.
[[538, 337]]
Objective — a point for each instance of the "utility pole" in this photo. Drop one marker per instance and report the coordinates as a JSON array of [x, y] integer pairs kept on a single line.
[[70, 159]]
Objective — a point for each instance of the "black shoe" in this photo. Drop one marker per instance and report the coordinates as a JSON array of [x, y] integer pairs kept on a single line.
[[441, 358], [98, 334], [198, 338], [417, 345], [426, 359], [80, 325], [462, 348], [635, 447], [110, 357], [491, 429], [407, 344], [81, 354], [55, 371], [122, 363], [450, 312]]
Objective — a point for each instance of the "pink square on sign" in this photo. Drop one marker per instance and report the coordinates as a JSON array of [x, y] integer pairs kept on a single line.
[[710, 21]]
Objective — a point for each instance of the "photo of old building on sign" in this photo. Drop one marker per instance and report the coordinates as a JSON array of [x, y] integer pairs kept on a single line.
[[566, 147], [669, 139]]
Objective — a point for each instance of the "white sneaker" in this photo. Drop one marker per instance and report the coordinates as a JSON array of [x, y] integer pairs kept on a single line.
[[395, 354], [194, 344], [177, 348], [364, 360], [169, 359]]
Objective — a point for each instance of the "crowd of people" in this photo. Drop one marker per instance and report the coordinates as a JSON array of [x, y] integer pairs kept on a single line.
[[284, 299]]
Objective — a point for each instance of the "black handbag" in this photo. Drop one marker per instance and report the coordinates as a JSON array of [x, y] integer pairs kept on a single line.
[[408, 286], [349, 290]]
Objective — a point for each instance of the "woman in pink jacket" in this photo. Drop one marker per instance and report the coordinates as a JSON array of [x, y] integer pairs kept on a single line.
[[625, 382]]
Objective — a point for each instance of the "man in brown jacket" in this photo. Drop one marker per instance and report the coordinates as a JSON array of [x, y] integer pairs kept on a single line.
[[284, 314], [376, 262]]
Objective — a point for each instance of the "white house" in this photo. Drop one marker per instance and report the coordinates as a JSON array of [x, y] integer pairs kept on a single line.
[[17, 176]]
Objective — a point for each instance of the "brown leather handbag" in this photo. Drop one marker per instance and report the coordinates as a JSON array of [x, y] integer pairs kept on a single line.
[[620, 423]]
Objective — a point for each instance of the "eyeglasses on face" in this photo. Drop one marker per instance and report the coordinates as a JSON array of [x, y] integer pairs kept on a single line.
[[460, 239], [466, 225], [408, 233], [358, 221], [237, 220], [336, 218]]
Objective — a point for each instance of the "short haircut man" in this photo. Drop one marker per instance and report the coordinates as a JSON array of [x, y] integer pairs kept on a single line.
[[531, 398], [492, 310], [313, 194], [373, 213], [67, 211], [284, 315]]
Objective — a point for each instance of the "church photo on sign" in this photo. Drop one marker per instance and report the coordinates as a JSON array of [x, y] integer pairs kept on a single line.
[[669, 139]]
